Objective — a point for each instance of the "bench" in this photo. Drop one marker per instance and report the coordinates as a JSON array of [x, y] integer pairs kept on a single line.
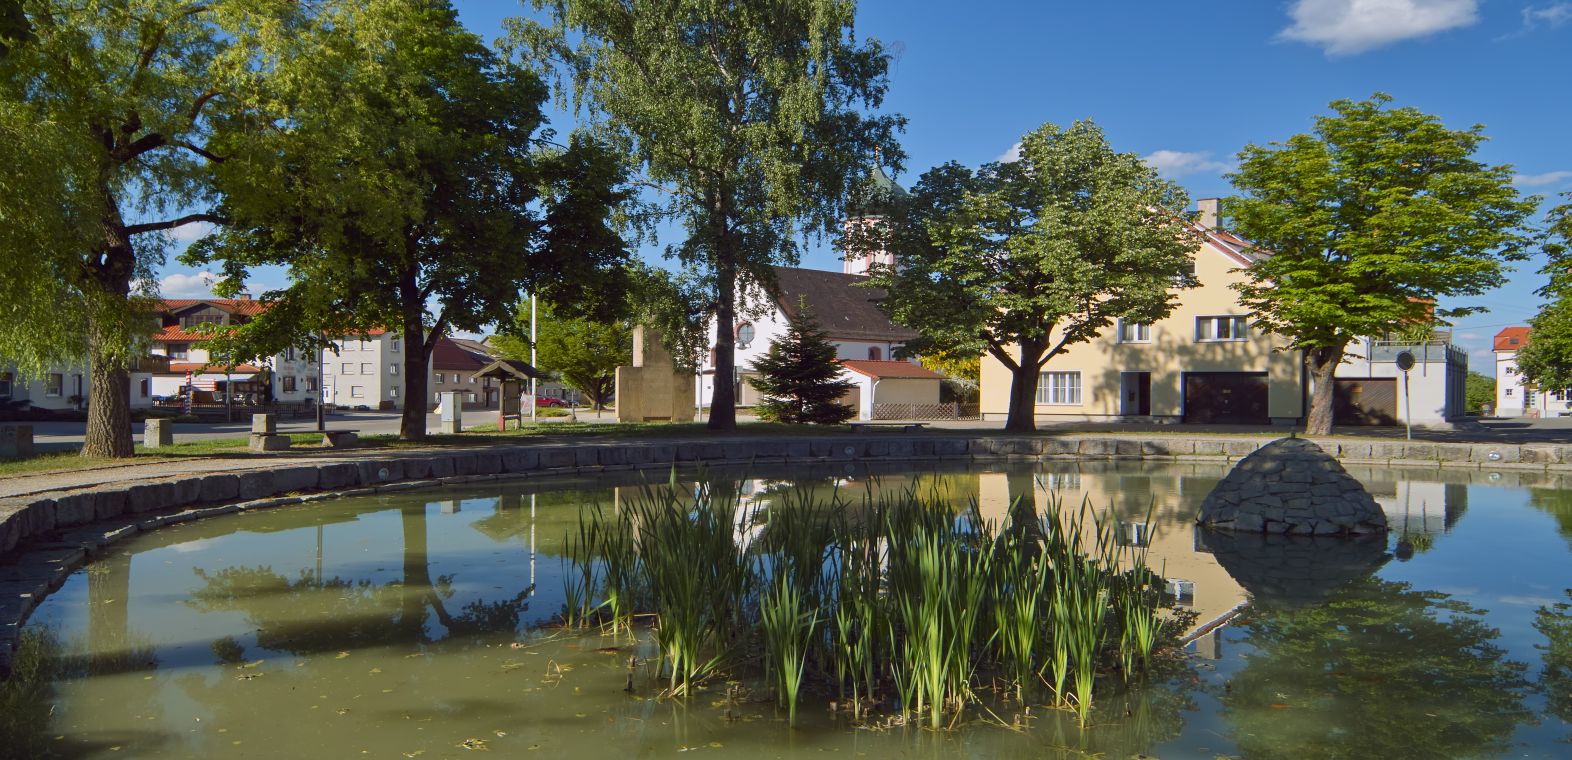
[[905, 427], [338, 439]]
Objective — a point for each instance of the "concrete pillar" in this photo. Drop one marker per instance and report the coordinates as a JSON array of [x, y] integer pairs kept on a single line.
[[1207, 209], [452, 414], [16, 441], [157, 433], [264, 424]]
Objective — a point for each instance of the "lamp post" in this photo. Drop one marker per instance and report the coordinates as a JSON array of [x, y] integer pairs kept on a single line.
[[1405, 362], [534, 388]]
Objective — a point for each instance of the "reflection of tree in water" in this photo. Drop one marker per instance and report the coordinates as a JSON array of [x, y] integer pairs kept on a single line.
[[310, 614], [1558, 504], [1379, 670], [1555, 622]]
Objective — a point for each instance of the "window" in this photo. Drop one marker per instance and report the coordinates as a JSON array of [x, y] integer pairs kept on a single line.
[[356, 391], [287, 384], [348, 346], [365, 369], [1134, 534], [1558, 395], [392, 369], [1511, 371], [347, 369], [393, 391], [6, 381], [54, 384], [745, 334], [1529, 397], [393, 345], [1059, 388], [311, 384], [289, 354], [471, 379], [1182, 591], [471, 398], [179, 350], [1134, 332], [1222, 328], [440, 378], [192, 320], [365, 345], [873, 353], [143, 387], [1508, 393]]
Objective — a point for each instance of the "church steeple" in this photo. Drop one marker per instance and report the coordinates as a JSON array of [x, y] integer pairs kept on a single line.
[[875, 199]]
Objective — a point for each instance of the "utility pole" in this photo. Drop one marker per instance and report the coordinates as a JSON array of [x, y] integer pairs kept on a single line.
[[534, 389]]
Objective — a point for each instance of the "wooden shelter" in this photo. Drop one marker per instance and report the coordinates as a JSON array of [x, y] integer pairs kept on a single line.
[[514, 376]]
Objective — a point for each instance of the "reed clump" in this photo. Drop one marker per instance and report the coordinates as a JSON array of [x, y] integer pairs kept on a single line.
[[898, 603]]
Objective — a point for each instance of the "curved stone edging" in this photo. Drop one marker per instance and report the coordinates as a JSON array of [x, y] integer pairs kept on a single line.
[[57, 534]]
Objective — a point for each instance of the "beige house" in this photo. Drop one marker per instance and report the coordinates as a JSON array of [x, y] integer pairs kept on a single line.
[[1204, 363]]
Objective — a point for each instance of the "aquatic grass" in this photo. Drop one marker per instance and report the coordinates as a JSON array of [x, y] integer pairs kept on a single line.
[[788, 624]]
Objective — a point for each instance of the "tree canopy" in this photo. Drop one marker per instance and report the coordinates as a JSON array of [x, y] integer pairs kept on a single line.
[[584, 352], [424, 203], [1546, 361], [1369, 220], [1024, 259], [750, 119], [107, 112]]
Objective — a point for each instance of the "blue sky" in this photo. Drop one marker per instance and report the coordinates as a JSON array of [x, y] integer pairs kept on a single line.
[[1188, 84]]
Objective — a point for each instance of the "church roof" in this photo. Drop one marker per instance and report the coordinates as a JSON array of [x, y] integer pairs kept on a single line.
[[844, 310]]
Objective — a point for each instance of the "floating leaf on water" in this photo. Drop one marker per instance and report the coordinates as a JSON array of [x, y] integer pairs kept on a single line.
[[475, 744], [416, 753], [341, 655]]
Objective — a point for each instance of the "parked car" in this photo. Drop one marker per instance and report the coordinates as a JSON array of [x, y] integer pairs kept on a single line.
[[548, 401]]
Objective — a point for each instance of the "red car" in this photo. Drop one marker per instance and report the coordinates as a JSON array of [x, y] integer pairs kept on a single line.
[[548, 401]]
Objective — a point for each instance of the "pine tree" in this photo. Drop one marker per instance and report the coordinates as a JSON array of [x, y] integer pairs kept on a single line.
[[798, 376]]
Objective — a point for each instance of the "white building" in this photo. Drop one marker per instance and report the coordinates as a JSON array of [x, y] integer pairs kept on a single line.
[[1371, 389], [288, 377], [1515, 397], [366, 371]]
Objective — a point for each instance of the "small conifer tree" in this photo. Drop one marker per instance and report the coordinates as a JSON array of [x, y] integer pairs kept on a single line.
[[798, 376]]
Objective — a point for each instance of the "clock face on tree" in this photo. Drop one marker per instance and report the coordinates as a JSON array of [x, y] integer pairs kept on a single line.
[[744, 334]]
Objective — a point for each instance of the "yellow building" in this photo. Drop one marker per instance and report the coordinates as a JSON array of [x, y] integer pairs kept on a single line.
[[1204, 363]]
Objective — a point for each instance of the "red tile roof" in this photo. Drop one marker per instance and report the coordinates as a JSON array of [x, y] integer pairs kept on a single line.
[[244, 306], [175, 333], [181, 368], [1511, 338], [891, 369]]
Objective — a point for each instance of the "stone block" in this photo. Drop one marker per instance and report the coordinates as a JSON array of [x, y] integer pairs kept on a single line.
[[1240, 448], [1421, 451], [256, 485], [219, 488], [556, 458], [342, 439], [263, 424], [379, 471], [1097, 447], [75, 509], [612, 456], [952, 447], [150, 497], [520, 460], [1486, 454], [1540, 454], [463, 463], [336, 476], [158, 433], [488, 463], [109, 503], [1126, 448], [16, 441], [269, 442], [441, 467], [586, 456]]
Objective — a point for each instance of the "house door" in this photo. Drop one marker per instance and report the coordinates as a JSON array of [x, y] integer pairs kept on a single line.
[[1135, 394], [1229, 398], [1365, 401]]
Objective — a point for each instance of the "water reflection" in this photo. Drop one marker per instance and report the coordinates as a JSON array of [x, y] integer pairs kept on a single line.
[[1554, 622]]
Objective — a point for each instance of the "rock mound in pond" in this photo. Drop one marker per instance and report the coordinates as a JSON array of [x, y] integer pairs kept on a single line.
[[1291, 486]]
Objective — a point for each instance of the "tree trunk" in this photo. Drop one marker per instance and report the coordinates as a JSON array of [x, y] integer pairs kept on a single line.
[[108, 411], [1323, 365], [417, 352], [1023, 389], [108, 276], [723, 402]]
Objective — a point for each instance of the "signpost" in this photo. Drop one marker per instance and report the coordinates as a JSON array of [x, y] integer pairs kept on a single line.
[[1405, 362]]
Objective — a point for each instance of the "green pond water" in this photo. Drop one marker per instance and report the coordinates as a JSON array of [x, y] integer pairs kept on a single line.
[[418, 625]]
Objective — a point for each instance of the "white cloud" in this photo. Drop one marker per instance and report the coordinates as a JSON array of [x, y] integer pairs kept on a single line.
[[1541, 180], [1552, 15], [187, 233], [1010, 156], [194, 285], [1348, 27], [1178, 163]]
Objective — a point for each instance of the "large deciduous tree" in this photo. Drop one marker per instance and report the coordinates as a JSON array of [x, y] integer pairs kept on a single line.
[[1369, 220], [1546, 361], [400, 170], [584, 352], [105, 110], [750, 117], [1024, 259]]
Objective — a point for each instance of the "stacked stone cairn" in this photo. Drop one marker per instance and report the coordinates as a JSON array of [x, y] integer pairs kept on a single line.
[[1291, 486]]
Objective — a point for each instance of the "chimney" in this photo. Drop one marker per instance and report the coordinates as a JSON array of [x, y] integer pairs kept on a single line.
[[1208, 209], [242, 296]]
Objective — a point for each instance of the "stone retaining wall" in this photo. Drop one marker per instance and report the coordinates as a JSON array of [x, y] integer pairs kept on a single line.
[[43, 538]]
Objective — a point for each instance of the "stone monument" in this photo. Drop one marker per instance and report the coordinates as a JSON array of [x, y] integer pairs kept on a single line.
[[158, 432], [1291, 486], [653, 388]]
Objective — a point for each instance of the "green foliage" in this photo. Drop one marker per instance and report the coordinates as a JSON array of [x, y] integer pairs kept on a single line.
[[798, 375], [1555, 623], [1547, 359], [1478, 390], [14, 27], [433, 187], [584, 352], [749, 116], [1370, 219], [1024, 259]]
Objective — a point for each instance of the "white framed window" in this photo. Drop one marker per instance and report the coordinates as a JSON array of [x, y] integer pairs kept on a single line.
[[440, 378], [1511, 371], [54, 384], [365, 345], [1508, 393], [357, 391], [392, 391], [287, 384], [1224, 328], [143, 387], [392, 369], [1059, 388], [311, 384], [1530, 396], [471, 398], [393, 345], [471, 379], [179, 350], [1183, 592], [1134, 332], [365, 369], [347, 369], [745, 334]]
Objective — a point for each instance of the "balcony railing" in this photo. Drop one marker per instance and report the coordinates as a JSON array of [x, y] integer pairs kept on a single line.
[[1425, 352]]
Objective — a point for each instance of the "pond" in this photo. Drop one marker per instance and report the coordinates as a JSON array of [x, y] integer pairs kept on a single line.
[[419, 624]]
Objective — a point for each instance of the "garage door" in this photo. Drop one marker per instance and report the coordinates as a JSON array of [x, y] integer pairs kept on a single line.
[[1225, 398], [1365, 401]]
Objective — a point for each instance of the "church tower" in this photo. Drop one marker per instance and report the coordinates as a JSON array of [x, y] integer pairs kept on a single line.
[[881, 193]]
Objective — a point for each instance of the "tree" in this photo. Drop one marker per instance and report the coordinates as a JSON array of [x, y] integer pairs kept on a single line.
[[584, 352], [1369, 220], [106, 112], [1479, 390], [748, 116], [1022, 260], [424, 203], [1546, 361], [797, 375]]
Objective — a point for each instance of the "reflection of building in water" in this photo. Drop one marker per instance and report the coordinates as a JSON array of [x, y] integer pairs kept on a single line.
[[1416, 507], [1173, 551]]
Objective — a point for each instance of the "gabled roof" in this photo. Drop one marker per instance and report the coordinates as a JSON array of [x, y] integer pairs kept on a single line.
[[242, 306], [219, 369], [176, 334], [843, 310], [450, 355], [1511, 338], [885, 370], [509, 369]]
